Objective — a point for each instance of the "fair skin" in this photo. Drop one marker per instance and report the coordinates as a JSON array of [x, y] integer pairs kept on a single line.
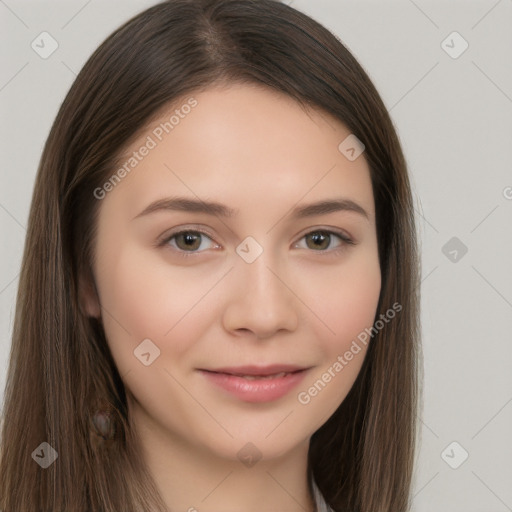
[[255, 151]]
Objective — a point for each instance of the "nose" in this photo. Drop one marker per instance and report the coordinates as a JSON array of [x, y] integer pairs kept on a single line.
[[261, 299]]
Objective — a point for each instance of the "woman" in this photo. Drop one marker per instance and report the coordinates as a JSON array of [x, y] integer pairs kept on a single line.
[[218, 303]]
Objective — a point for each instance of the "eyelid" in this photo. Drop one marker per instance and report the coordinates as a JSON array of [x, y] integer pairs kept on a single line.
[[345, 238], [168, 235], [341, 233]]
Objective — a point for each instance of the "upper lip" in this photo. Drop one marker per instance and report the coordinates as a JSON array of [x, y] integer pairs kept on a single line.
[[258, 370]]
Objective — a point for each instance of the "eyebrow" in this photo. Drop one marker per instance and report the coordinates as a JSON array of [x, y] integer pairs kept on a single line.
[[190, 205]]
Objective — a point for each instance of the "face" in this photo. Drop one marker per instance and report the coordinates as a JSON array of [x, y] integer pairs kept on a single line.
[[184, 290]]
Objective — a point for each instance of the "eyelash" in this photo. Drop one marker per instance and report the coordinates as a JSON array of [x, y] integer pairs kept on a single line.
[[186, 254]]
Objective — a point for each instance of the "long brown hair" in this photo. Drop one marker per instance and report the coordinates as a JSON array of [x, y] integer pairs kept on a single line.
[[63, 387]]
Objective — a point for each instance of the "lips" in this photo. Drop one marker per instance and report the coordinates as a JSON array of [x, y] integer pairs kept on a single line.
[[262, 372], [256, 383], [261, 377]]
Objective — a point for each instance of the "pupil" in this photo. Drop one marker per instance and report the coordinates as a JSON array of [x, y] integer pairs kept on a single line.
[[318, 237], [190, 240]]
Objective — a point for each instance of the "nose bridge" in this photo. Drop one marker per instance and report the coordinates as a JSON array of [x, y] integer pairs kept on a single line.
[[262, 303], [262, 280]]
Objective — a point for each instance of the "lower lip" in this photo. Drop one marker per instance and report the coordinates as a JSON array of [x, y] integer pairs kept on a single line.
[[257, 390]]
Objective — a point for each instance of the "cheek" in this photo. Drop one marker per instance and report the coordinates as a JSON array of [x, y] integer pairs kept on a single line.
[[147, 298], [356, 305], [344, 300]]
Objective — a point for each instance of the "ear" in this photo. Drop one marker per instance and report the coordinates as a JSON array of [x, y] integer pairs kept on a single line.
[[88, 294]]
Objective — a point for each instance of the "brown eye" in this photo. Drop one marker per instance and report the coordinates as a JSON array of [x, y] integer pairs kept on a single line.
[[187, 241], [322, 241], [319, 240]]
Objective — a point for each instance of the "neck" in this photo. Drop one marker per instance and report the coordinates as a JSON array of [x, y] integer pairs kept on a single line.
[[196, 479]]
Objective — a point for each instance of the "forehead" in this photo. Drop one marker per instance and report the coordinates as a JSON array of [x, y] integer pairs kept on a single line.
[[242, 143]]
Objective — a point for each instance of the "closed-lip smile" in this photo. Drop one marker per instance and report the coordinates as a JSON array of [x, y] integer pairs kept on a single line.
[[263, 371], [252, 383]]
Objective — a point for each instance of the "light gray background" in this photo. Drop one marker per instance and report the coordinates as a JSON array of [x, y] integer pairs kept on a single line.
[[454, 120]]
